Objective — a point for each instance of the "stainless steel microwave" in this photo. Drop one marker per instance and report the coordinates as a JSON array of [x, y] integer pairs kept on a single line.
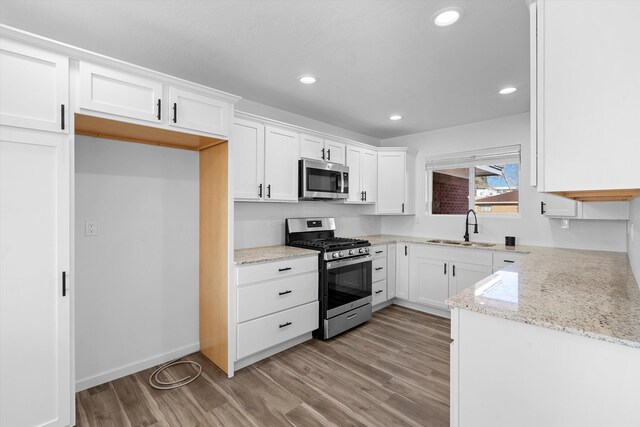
[[321, 180]]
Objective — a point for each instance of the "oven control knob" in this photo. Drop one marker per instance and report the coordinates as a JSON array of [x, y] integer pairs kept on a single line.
[[351, 251], [340, 253], [361, 250], [334, 255], [366, 250]]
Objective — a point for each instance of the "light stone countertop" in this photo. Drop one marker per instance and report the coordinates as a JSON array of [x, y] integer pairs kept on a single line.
[[588, 293], [381, 239], [269, 253]]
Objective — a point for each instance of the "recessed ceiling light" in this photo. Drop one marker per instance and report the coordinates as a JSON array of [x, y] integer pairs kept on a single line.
[[446, 17], [395, 117], [507, 90], [307, 80]]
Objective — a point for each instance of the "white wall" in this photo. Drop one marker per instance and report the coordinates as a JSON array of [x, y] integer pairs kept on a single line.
[[262, 224], [530, 228], [252, 107], [634, 239], [137, 281]]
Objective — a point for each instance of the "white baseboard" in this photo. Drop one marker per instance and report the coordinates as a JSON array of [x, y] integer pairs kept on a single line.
[[123, 371], [249, 360], [423, 308]]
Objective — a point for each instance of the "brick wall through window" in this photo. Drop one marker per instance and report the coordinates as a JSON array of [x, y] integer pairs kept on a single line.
[[450, 195]]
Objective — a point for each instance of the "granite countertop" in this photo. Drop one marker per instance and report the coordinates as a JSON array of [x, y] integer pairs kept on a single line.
[[588, 293], [269, 253], [380, 239]]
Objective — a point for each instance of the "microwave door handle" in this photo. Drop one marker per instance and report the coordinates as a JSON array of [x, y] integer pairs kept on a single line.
[[341, 183]]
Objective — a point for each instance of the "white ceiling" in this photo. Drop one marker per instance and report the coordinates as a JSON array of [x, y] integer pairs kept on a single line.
[[372, 58]]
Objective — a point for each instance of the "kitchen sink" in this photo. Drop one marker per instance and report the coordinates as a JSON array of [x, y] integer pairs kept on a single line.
[[460, 243]]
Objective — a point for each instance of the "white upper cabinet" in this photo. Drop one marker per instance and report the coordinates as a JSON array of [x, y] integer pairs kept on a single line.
[[556, 206], [317, 148], [34, 87], [282, 151], [561, 207], [395, 183], [335, 151], [247, 140], [197, 112], [586, 98], [114, 92], [363, 172]]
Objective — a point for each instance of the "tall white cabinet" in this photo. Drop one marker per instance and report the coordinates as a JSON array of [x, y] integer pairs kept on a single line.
[[35, 349]]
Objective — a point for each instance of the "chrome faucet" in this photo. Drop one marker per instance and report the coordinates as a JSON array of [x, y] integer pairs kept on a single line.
[[466, 226]]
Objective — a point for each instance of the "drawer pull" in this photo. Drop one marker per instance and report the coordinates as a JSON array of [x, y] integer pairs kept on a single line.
[[282, 325], [379, 291], [508, 260], [379, 268], [351, 316], [284, 269], [379, 252], [284, 292]]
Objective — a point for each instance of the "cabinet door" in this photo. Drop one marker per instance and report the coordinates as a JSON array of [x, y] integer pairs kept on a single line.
[[197, 112], [402, 271], [428, 280], [595, 147], [34, 87], [464, 275], [391, 271], [334, 151], [281, 154], [369, 175], [35, 325], [556, 206], [311, 147], [114, 92], [391, 183], [247, 140], [354, 159]]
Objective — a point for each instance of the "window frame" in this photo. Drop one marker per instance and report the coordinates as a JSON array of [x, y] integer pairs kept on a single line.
[[498, 155]]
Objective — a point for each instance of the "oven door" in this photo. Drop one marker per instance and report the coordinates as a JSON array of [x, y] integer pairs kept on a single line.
[[348, 284], [319, 180]]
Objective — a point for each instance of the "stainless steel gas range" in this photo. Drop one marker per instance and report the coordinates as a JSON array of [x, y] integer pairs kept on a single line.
[[345, 273]]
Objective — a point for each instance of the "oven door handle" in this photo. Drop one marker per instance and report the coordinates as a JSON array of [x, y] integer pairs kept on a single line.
[[343, 263]]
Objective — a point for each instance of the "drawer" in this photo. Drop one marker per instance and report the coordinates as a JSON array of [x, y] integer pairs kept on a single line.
[[378, 269], [379, 291], [276, 295], [260, 334], [466, 255], [503, 259], [378, 251], [276, 269]]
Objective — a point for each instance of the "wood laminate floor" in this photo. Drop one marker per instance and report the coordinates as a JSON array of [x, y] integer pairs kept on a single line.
[[392, 371]]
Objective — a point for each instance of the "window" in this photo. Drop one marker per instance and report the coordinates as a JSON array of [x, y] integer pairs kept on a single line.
[[486, 181]]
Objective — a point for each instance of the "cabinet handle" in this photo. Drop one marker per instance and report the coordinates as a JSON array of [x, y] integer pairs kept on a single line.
[[269, 191], [542, 211], [405, 250], [365, 196], [282, 325], [352, 316], [64, 283], [508, 260], [284, 269], [260, 190], [159, 109], [379, 252], [175, 112], [322, 154], [454, 270], [445, 268], [379, 268], [62, 116], [284, 292], [329, 154], [379, 291], [362, 196], [403, 208]]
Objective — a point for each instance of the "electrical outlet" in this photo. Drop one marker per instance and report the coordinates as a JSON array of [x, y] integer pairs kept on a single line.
[[90, 228], [565, 224]]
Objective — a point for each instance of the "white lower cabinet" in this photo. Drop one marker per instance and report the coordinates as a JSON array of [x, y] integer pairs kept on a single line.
[[276, 302], [505, 259], [438, 273], [35, 327], [391, 271], [379, 274], [402, 271]]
